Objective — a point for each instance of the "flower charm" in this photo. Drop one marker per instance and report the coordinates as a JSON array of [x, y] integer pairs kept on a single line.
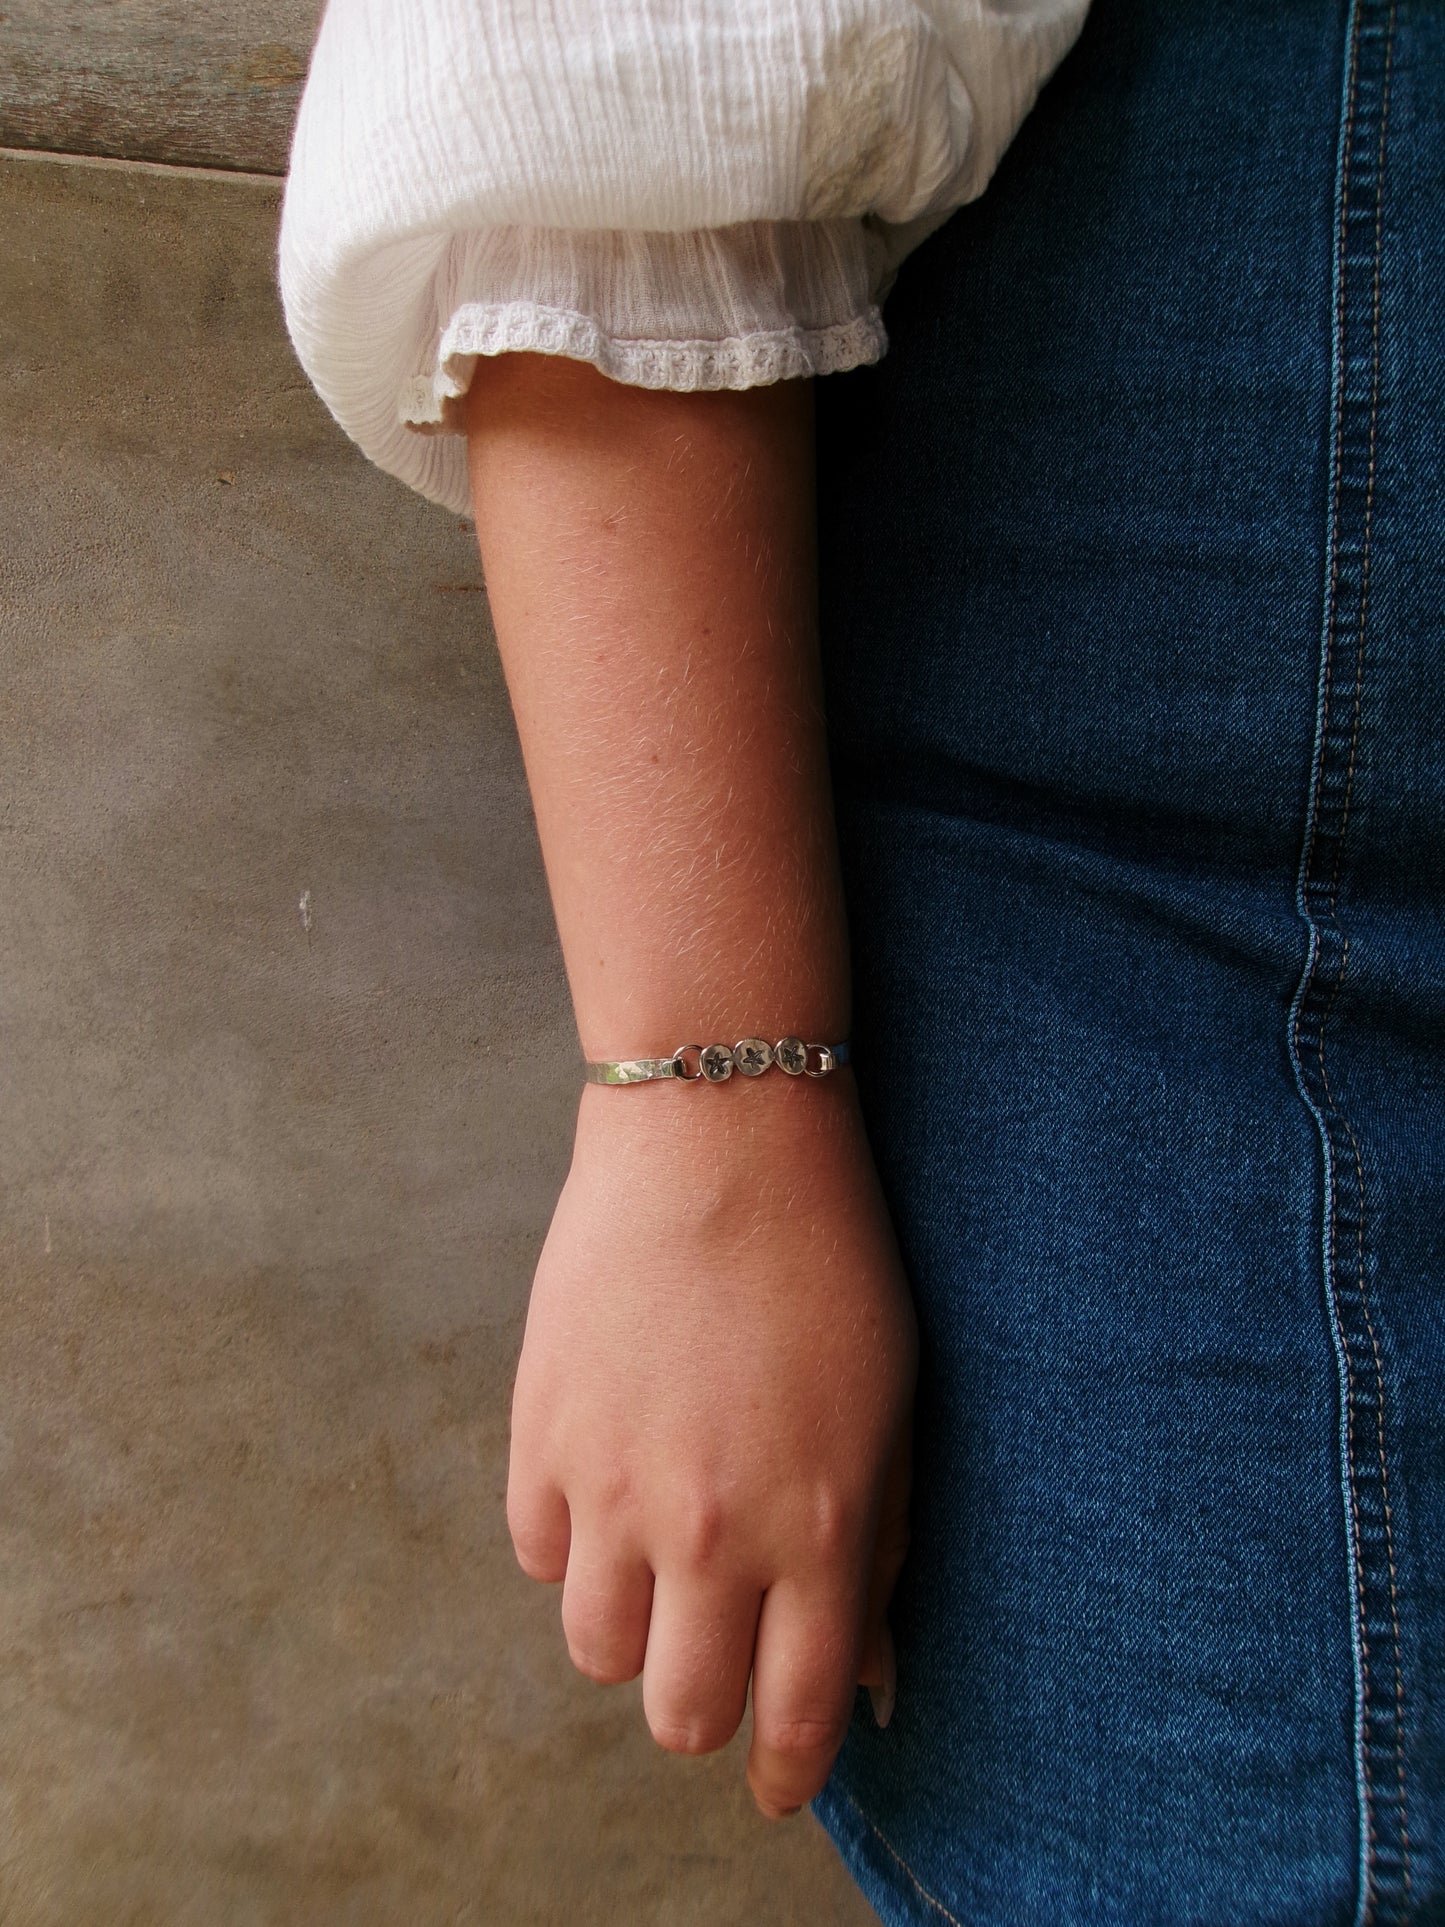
[[717, 1063], [752, 1056], [791, 1055]]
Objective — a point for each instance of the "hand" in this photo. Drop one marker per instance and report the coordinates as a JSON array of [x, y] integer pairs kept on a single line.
[[712, 1412]]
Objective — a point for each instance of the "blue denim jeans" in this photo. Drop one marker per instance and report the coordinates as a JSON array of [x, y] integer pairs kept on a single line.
[[1133, 563]]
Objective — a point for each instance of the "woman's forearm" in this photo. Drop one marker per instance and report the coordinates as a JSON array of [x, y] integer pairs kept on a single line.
[[649, 560], [709, 1425]]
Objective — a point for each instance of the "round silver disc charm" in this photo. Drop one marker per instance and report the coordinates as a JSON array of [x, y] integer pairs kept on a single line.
[[752, 1055], [791, 1056], [717, 1063]]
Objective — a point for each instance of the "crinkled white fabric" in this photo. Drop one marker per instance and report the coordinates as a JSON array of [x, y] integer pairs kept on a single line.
[[719, 307], [686, 193]]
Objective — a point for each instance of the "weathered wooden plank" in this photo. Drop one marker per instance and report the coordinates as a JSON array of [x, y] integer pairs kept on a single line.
[[201, 85]]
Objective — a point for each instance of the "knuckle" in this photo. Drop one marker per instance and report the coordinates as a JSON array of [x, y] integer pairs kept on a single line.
[[597, 1647], [801, 1736], [604, 1669], [612, 1493], [676, 1734], [701, 1530], [537, 1560], [522, 1521], [835, 1523]]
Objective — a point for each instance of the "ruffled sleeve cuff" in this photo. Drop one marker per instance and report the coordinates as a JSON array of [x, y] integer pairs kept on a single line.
[[727, 307]]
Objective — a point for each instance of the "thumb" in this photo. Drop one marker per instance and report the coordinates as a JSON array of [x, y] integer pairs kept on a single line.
[[876, 1665]]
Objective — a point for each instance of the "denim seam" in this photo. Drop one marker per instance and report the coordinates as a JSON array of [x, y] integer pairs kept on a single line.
[[1370, 482], [1357, 1159], [894, 1854], [1365, 561], [1352, 1358]]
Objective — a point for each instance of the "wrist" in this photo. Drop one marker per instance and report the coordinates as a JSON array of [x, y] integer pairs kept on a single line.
[[761, 1118]]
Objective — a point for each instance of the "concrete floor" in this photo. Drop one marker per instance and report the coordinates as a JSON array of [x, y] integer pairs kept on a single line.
[[287, 1076]]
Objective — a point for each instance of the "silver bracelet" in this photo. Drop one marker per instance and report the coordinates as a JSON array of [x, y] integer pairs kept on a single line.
[[715, 1063]]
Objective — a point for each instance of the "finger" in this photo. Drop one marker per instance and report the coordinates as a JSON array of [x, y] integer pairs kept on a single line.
[[889, 1552], [805, 1672], [606, 1606], [538, 1520], [699, 1655]]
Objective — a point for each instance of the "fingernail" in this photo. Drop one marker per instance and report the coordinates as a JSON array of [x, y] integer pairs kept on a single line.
[[884, 1696]]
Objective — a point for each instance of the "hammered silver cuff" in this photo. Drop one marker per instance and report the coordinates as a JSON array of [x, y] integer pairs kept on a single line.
[[715, 1063]]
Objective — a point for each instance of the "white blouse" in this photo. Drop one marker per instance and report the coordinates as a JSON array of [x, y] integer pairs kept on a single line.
[[686, 193]]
